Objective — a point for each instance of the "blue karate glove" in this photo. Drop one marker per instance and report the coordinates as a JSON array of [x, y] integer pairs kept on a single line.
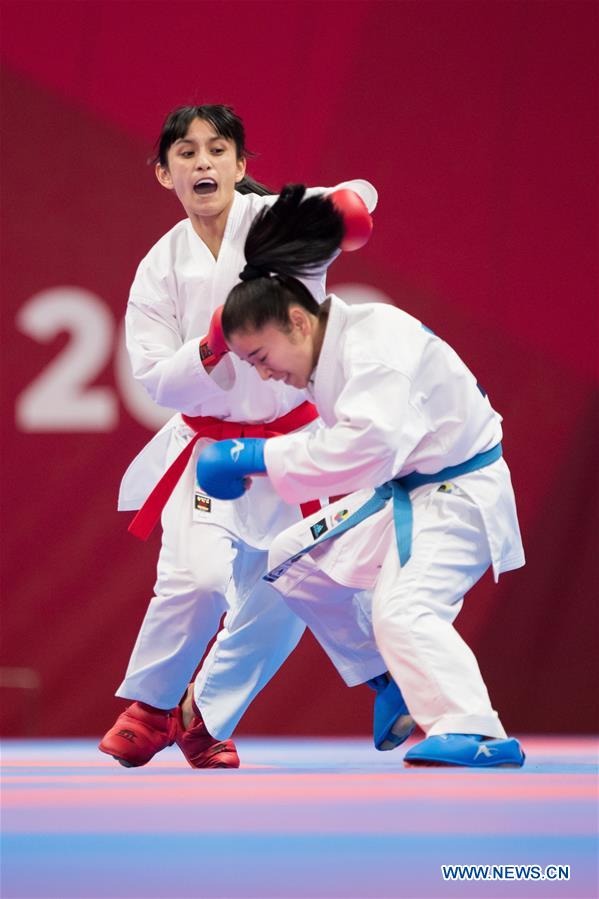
[[223, 467]]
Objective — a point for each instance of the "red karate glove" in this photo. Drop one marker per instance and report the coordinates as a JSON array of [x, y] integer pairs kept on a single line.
[[356, 218], [213, 346]]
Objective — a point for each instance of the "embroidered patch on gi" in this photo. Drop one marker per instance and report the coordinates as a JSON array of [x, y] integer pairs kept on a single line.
[[341, 516], [318, 529], [445, 488], [203, 503]]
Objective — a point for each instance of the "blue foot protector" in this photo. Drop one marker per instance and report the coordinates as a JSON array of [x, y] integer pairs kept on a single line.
[[392, 723], [466, 750]]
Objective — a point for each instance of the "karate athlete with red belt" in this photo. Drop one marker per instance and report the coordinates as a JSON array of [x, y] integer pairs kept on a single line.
[[213, 553], [406, 419]]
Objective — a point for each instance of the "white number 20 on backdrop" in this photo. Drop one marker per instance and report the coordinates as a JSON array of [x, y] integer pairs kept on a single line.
[[61, 398]]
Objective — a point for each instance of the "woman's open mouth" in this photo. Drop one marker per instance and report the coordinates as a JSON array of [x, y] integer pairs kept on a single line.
[[205, 186]]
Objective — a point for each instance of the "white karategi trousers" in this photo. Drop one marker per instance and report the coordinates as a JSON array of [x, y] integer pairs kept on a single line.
[[206, 571], [413, 609]]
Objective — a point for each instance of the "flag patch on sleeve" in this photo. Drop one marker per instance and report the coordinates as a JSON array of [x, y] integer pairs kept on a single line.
[[203, 503]]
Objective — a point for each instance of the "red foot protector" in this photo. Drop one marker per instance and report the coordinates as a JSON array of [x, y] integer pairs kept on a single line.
[[138, 734], [200, 748]]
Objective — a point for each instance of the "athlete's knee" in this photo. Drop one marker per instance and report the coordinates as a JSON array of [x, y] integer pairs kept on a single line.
[[393, 617]]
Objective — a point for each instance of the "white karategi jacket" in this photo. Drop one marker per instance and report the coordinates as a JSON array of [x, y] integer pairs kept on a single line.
[[177, 287], [395, 399]]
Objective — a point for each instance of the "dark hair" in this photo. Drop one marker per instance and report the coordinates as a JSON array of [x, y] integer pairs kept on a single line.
[[290, 239], [226, 124]]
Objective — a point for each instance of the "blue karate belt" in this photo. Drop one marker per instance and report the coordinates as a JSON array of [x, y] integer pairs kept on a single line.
[[399, 490]]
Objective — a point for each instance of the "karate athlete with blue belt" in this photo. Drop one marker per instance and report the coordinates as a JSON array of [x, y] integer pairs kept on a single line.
[[413, 441]]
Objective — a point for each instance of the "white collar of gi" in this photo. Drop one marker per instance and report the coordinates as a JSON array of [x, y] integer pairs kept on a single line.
[[235, 215], [323, 374]]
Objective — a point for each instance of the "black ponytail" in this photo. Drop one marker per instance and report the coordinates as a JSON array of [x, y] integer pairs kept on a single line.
[[295, 235], [291, 239]]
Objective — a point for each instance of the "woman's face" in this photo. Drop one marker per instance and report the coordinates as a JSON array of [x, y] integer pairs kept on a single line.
[[203, 170], [281, 355]]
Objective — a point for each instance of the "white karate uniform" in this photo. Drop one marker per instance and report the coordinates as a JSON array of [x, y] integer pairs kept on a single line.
[[211, 562], [397, 399]]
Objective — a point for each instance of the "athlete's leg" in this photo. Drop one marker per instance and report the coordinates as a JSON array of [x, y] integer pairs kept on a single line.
[[194, 570], [413, 613], [336, 616], [317, 585], [259, 632]]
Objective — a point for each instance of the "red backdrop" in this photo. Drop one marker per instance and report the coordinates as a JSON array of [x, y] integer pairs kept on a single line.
[[477, 123]]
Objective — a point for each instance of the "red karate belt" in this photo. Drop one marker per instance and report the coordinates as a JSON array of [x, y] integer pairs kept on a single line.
[[206, 426]]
